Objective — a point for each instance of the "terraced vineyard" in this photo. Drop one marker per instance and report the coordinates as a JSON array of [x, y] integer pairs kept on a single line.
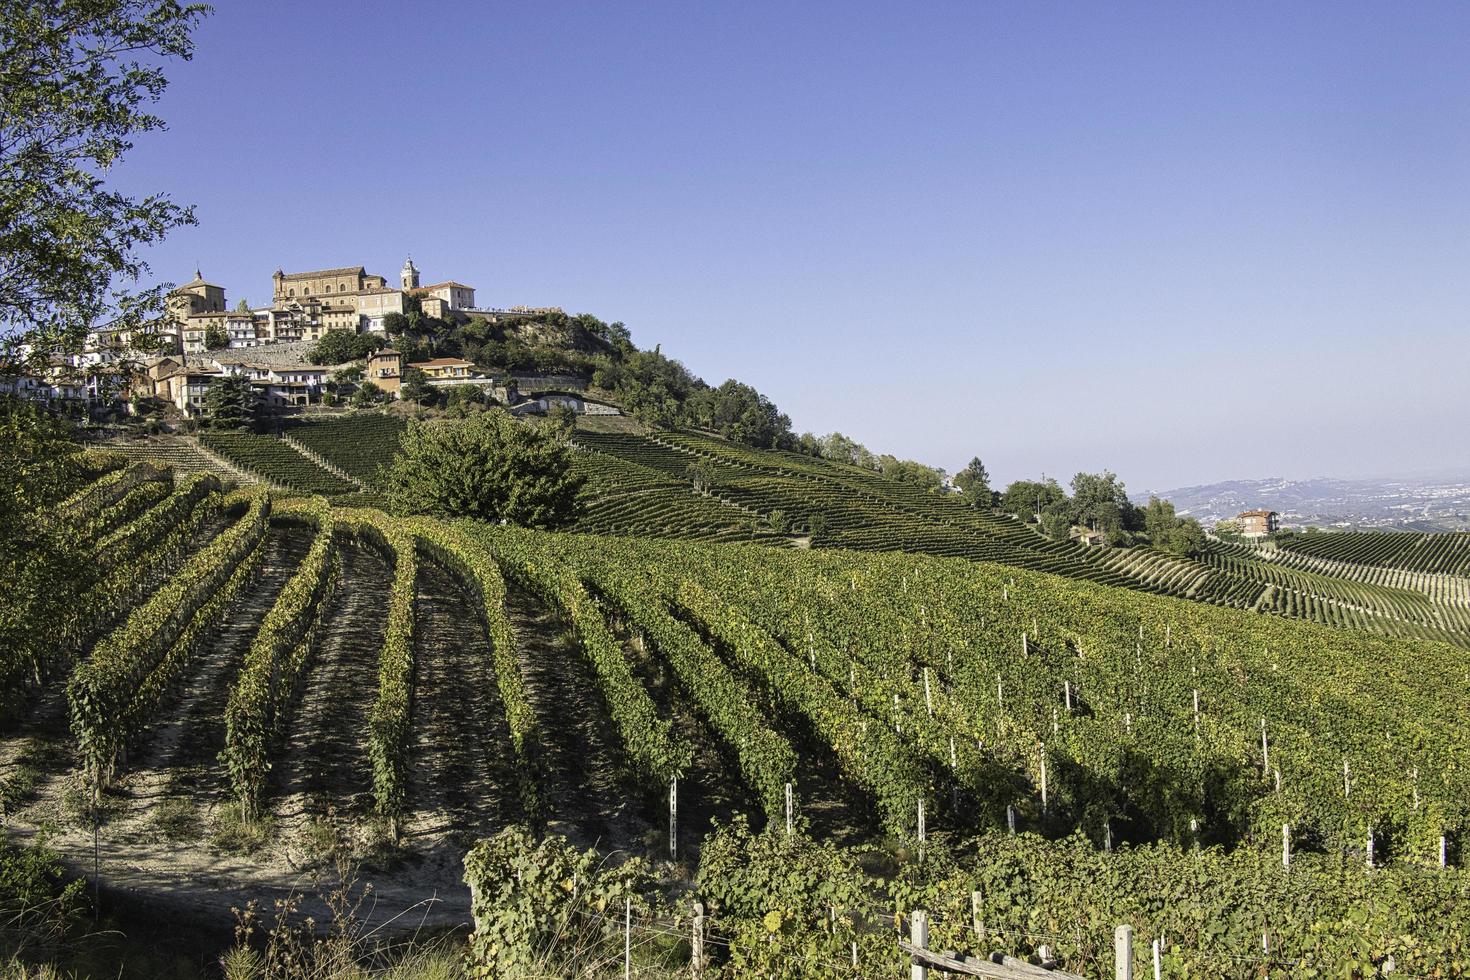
[[421, 683], [276, 461], [644, 485], [359, 444], [1447, 553]]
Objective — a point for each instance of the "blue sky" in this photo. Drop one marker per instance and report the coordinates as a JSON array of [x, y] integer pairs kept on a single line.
[[1186, 242]]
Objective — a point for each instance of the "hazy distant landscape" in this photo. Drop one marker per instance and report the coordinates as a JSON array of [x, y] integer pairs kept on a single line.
[[1408, 504]]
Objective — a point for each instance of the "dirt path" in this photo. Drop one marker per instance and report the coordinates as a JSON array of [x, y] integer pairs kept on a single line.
[[39, 747], [583, 793], [188, 875], [463, 776], [179, 758], [325, 763]]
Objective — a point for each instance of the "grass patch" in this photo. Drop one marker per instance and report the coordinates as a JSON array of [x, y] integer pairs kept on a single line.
[[18, 788], [84, 809], [235, 833], [178, 819]]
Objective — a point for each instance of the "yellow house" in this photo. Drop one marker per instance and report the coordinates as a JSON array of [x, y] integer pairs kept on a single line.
[[446, 368]]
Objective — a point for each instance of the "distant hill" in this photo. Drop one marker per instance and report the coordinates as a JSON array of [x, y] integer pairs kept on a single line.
[[1410, 504]]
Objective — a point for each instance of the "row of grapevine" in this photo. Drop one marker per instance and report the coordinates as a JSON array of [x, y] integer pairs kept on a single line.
[[115, 692], [107, 477], [767, 761], [390, 724], [656, 754], [870, 755], [477, 570], [258, 705]]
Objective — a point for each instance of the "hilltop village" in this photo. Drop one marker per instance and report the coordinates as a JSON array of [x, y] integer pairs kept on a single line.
[[202, 340]]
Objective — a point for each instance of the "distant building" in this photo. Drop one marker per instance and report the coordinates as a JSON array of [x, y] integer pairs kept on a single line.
[[323, 283], [446, 367], [385, 369], [446, 296], [1257, 523], [1086, 536]]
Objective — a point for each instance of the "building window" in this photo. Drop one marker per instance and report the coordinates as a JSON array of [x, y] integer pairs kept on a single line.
[[290, 292]]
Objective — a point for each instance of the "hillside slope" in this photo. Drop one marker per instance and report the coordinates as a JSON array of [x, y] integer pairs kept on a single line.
[[644, 482]]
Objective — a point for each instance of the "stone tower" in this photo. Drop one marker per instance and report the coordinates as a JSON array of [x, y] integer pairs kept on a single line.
[[410, 275]]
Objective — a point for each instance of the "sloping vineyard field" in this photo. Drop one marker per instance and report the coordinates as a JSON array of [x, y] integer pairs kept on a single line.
[[274, 460], [907, 703], [1447, 552], [645, 486]]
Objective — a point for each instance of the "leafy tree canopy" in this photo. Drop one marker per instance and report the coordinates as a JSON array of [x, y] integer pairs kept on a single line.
[[1026, 498], [230, 403], [76, 81], [974, 483], [740, 413], [415, 385], [486, 466], [341, 345]]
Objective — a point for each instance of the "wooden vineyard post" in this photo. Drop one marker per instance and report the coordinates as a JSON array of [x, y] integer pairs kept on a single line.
[[975, 922], [696, 940], [1347, 782], [1011, 817], [953, 758], [1043, 777], [1416, 787], [1286, 846], [1123, 950], [788, 809], [1370, 848], [1265, 749], [919, 937], [674, 818], [627, 938], [1067, 695], [923, 836], [1158, 962], [1196, 714], [1443, 852], [1108, 835], [928, 699], [1000, 694], [1025, 646]]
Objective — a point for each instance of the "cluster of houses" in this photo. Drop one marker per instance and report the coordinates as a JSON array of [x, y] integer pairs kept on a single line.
[[281, 378], [201, 340]]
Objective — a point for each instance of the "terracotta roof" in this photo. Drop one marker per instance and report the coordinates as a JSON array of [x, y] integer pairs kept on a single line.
[[196, 281], [441, 285], [444, 362], [385, 352], [356, 270], [1256, 513]]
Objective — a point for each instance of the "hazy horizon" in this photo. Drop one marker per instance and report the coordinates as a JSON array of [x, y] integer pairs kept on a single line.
[[1187, 244]]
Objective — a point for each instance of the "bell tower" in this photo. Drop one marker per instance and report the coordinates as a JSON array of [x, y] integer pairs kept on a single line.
[[410, 275]]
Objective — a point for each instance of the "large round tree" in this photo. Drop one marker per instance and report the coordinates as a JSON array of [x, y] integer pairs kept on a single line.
[[487, 466]]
